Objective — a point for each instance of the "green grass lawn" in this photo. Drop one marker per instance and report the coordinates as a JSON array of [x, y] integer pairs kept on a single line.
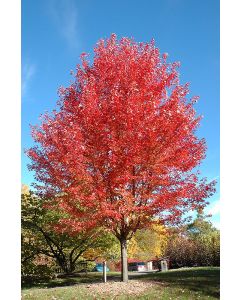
[[184, 284]]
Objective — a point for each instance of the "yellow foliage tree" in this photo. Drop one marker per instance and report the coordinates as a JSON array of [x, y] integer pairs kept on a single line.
[[148, 243]]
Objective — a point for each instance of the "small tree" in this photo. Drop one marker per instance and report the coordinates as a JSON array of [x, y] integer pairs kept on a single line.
[[41, 236], [122, 148]]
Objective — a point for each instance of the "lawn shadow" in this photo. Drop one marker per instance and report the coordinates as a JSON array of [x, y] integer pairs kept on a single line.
[[65, 280], [205, 281]]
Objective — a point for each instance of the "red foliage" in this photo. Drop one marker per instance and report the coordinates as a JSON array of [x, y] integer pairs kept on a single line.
[[122, 148]]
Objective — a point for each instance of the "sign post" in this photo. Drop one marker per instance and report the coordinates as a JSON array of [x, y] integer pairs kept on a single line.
[[104, 272]]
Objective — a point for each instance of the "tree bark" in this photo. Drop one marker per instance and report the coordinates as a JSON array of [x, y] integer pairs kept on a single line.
[[124, 263]]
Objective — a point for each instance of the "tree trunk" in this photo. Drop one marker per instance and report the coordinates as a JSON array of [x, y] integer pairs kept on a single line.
[[67, 267], [124, 263]]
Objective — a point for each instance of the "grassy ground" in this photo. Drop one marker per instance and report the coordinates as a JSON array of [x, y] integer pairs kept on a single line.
[[182, 284]]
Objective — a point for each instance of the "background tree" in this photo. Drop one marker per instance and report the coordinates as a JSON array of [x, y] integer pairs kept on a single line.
[[121, 148], [40, 236], [148, 243], [197, 244], [31, 244], [207, 240]]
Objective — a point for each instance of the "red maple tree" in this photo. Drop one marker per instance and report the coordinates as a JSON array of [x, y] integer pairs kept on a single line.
[[122, 150]]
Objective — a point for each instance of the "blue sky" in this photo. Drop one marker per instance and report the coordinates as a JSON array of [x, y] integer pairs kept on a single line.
[[55, 32]]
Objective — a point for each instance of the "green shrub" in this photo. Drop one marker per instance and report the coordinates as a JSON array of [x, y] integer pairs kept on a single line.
[[32, 272]]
